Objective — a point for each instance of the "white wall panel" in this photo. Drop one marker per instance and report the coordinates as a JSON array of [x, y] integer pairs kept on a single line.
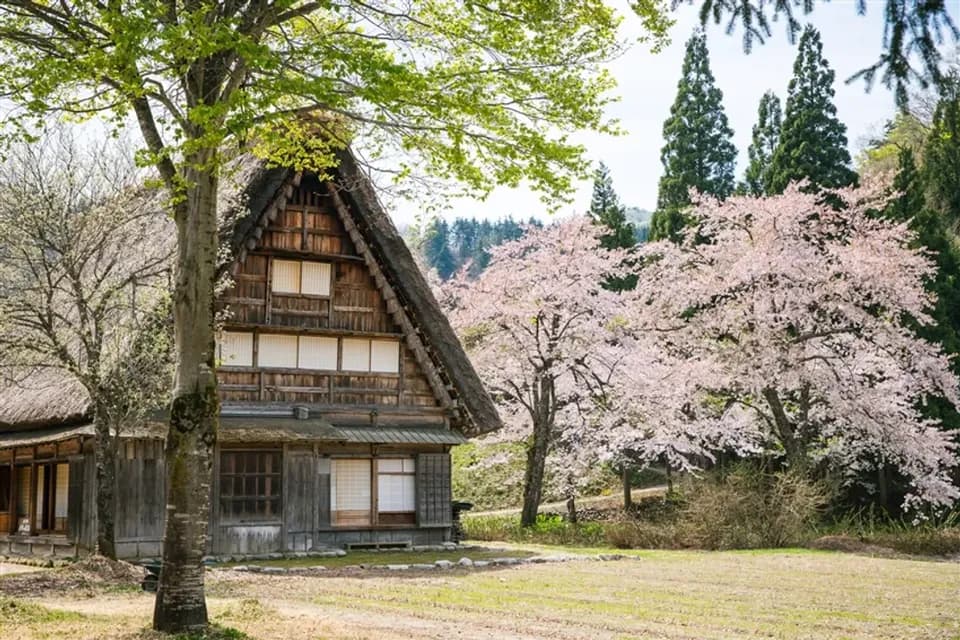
[[396, 493], [316, 278], [356, 355], [318, 353], [385, 356], [277, 350], [286, 276], [236, 349]]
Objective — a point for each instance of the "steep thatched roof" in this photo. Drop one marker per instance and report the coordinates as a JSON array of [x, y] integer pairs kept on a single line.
[[250, 193], [42, 399]]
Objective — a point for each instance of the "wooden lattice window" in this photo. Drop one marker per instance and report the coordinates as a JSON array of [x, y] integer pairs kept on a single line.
[[250, 485]]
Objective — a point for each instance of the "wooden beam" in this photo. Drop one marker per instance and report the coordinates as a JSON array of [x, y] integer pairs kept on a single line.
[[399, 316]]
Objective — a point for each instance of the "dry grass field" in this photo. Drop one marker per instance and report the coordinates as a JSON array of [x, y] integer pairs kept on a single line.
[[672, 595]]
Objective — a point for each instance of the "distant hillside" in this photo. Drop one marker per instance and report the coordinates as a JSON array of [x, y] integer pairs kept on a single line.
[[641, 221]]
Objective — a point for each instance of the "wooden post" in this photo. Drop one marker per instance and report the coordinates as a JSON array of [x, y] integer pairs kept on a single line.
[[284, 492], [12, 524], [268, 293], [32, 509], [315, 535]]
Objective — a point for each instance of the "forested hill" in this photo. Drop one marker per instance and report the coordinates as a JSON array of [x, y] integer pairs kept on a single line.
[[447, 247]]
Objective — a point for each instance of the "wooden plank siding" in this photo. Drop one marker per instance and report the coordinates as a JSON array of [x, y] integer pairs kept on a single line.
[[309, 228]]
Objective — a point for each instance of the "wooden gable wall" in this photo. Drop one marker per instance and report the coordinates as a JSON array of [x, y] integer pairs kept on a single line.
[[309, 228]]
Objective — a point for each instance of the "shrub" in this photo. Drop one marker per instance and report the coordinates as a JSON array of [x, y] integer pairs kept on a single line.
[[549, 529], [749, 508]]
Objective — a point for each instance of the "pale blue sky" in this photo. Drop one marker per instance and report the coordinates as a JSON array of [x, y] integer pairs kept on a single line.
[[647, 86]]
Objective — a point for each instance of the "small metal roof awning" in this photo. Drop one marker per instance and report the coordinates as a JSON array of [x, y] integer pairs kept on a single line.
[[261, 429]]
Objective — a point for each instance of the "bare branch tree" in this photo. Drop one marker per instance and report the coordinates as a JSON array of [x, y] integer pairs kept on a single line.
[[84, 276]]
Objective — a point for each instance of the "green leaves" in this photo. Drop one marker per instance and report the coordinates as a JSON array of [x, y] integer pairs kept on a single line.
[[481, 94], [698, 152]]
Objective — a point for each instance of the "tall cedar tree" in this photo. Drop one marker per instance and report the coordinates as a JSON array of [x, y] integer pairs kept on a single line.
[[930, 224], [698, 152], [941, 155], [436, 248], [303, 79], [606, 210], [813, 141], [766, 136]]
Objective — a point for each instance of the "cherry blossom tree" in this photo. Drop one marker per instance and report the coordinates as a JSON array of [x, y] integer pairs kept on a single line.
[[778, 326], [542, 331]]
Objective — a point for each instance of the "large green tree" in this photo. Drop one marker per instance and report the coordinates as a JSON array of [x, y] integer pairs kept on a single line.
[[942, 155], [483, 94], [697, 151], [766, 136], [813, 141]]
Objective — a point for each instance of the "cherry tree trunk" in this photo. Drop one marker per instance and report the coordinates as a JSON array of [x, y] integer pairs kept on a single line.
[[572, 509], [627, 488], [181, 605], [533, 477], [105, 460]]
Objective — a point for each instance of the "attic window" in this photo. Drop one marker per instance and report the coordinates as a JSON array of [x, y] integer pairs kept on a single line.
[[378, 356], [297, 352], [301, 278]]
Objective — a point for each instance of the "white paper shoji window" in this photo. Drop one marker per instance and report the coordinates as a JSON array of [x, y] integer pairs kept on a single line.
[[236, 349], [63, 488], [356, 355], [396, 485], [307, 278], [385, 356], [286, 276], [317, 353], [315, 279], [277, 350], [350, 494]]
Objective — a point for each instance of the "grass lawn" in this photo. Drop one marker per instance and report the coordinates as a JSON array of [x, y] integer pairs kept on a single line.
[[670, 595]]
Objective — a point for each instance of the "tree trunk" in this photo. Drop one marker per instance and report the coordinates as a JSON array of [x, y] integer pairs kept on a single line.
[[105, 459], [180, 605], [627, 488], [533, 477], [572, 508], [785, 430]]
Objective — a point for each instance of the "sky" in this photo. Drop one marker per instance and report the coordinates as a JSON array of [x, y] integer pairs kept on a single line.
[[648, 85]]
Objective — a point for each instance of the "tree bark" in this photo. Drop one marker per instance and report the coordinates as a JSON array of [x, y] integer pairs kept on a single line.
[[785, 430], [533, 477], [180, 604], [105, 459], [627, 488], [572, 509]]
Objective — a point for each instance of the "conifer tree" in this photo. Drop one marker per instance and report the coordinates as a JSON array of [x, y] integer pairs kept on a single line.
[[766, 136], [436, 248], [813, 141], [605, 209], [942, 154], [698, 152]]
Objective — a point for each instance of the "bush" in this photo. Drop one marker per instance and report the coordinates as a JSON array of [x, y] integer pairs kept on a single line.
[[549, 529], [749, 509]]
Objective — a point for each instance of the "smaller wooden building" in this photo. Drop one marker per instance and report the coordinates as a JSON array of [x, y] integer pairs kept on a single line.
[[343, 389]]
